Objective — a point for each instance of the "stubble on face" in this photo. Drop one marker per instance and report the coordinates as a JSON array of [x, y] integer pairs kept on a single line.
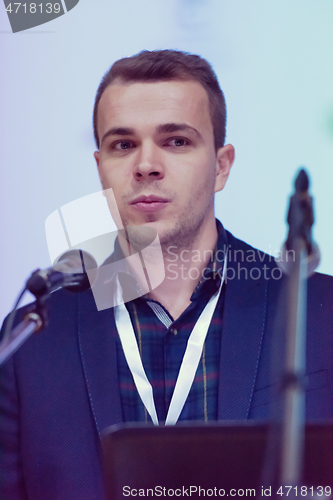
[[180, 233]]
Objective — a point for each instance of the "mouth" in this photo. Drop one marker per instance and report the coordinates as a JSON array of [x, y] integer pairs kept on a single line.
[[149, 203]]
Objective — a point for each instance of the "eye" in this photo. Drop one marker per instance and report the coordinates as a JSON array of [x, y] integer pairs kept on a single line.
[[122, 145], [178, 142]]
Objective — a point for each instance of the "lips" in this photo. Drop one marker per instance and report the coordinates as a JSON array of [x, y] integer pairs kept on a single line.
[[149, 203]]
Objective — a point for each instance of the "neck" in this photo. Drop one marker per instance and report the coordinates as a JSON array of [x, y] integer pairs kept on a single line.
[[184, 269]]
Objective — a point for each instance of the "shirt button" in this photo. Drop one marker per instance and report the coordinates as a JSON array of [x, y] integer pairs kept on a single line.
[[173, 331]]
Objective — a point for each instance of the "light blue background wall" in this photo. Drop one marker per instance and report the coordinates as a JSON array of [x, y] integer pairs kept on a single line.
[[274, 60]]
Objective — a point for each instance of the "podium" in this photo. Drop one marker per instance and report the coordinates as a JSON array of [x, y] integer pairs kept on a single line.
[[220, 459]]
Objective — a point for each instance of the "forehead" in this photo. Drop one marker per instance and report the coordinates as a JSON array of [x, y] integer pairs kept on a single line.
[[138, 105]]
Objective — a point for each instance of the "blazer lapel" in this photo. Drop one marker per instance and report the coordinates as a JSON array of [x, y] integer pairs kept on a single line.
[[242, 334], [97, 343]]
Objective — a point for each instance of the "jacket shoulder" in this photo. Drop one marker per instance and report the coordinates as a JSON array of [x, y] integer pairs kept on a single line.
[[240, 251]]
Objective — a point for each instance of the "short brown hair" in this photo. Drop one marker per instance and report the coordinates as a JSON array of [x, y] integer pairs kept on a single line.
[[164, 65]]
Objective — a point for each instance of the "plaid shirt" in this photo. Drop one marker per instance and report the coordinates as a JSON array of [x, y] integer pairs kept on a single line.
[[162, 343]]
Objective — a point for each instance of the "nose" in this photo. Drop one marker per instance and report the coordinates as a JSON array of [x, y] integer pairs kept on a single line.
[[148, 163]]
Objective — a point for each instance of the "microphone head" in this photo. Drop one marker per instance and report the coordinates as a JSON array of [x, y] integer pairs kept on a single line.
[[302, 182], [69, 271], [76, 263]]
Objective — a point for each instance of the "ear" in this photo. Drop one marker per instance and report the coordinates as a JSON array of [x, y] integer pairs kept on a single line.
[[96, 155], [224, 159]]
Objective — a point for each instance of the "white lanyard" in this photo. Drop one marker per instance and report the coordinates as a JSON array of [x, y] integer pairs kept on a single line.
[[189, 364]]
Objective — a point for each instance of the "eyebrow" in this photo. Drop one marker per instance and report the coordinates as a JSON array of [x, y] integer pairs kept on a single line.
[[169, 128], [166, 128], [118, 131]]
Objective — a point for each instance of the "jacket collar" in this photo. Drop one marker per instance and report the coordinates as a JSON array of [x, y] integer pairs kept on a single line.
[[243, 329], [96, 336]]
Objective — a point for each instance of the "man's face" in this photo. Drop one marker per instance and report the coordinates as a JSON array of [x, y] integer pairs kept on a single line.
[[157, 154]]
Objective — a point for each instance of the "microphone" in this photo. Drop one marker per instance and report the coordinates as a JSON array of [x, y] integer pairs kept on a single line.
[[70, 272]]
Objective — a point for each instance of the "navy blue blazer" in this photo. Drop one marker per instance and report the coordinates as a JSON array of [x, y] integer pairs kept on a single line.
[[59, 391]]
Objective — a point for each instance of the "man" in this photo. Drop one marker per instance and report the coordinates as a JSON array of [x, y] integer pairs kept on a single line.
[[159, 124]]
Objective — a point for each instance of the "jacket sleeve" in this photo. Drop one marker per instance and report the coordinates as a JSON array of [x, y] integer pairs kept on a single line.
[[11, 473]]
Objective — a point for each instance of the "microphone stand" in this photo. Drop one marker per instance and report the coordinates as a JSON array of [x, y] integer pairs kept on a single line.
[[300, 219], [70, 272], [34, 321]]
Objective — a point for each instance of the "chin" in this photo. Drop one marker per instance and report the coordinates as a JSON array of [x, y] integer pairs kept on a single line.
[[164, 230]]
